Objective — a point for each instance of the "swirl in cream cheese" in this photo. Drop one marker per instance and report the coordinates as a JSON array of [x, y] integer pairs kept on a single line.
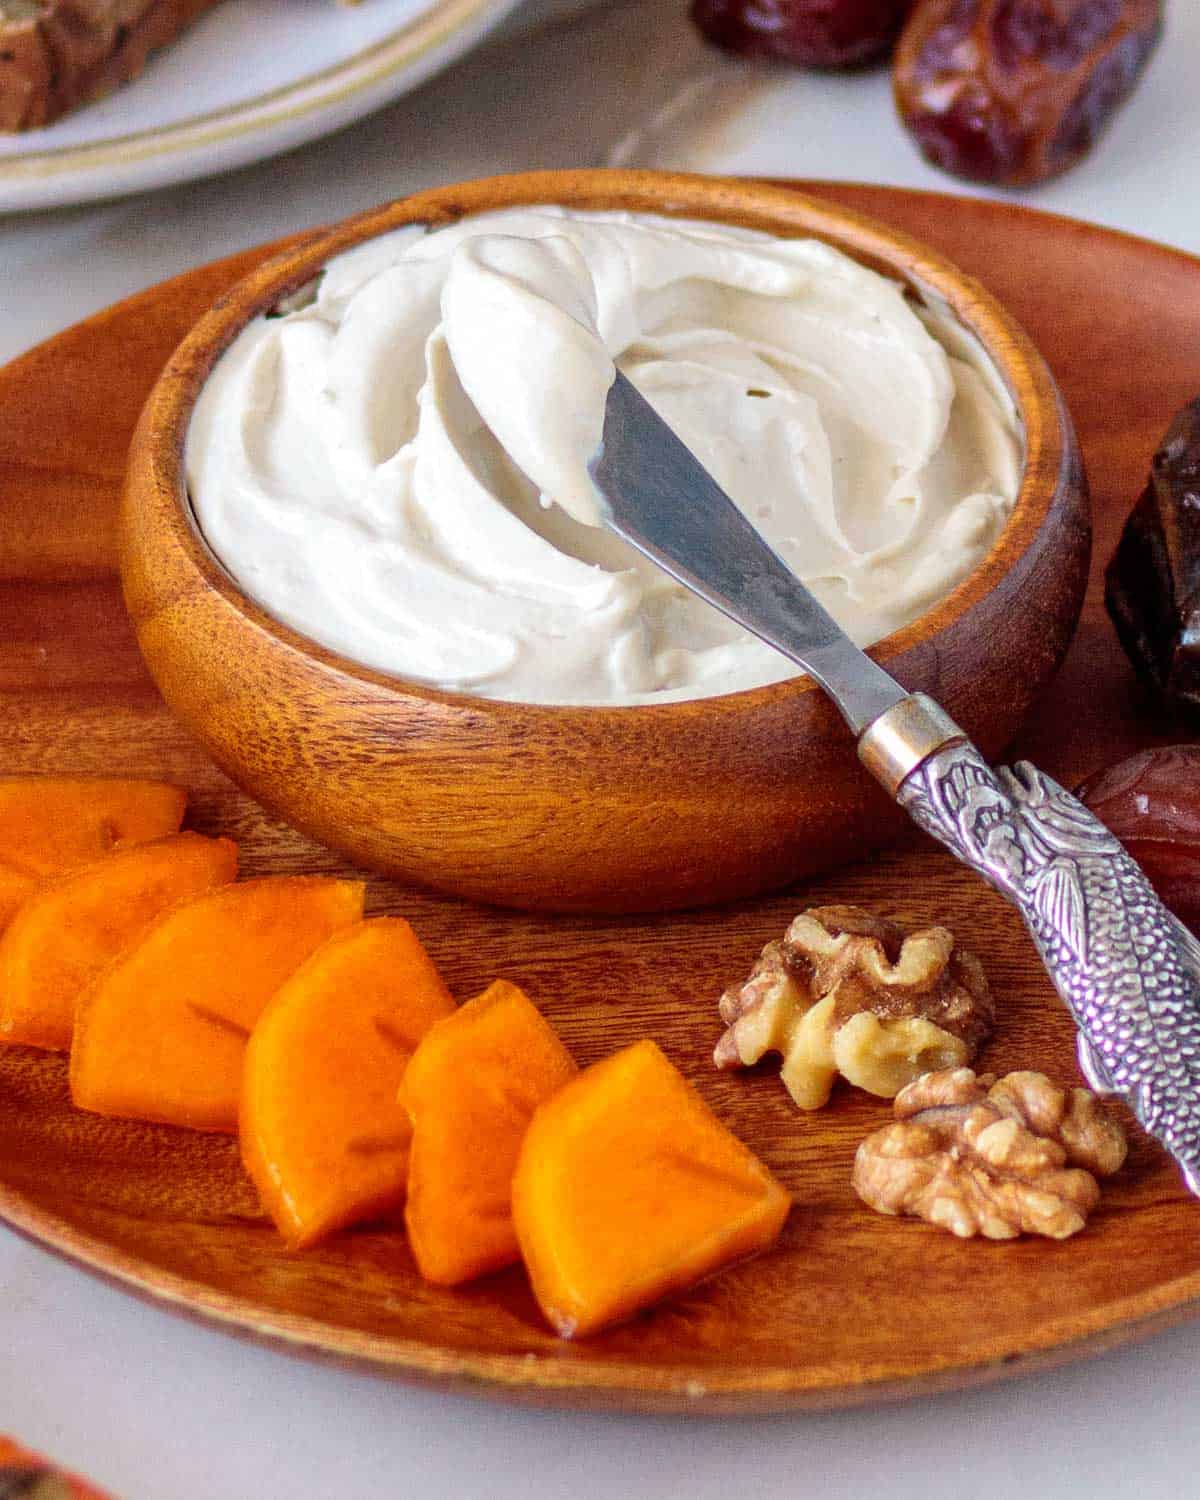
[[398, 468]]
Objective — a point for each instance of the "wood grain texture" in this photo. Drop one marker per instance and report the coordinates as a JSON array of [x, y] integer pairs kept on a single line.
[[587, 809], [850, 1307]]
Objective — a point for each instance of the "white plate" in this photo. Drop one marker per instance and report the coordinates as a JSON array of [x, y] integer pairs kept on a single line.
[[247, 80]]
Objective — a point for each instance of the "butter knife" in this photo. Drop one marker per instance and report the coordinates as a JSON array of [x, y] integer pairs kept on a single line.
[[1127, 970]]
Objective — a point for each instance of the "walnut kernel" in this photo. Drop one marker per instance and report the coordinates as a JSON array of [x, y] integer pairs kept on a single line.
[[848, 992], [998, 1159]]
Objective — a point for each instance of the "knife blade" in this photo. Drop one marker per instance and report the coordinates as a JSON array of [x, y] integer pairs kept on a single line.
[[1127, 970], [660, 498]]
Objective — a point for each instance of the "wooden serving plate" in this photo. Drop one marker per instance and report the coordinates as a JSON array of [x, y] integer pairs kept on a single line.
[[850, 1306]]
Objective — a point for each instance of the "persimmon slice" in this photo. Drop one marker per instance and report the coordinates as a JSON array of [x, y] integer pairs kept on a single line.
[[49, 824], [471, 1089], [15, 887], [73, 926], [629, 1188], [162, 1033], [323, 1135], [23, 1472]]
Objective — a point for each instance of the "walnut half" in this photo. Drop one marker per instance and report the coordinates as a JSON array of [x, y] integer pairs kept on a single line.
[[848, 992], [997, 1159]]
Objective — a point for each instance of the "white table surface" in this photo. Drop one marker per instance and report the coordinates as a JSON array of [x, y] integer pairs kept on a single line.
[[159, 1409]]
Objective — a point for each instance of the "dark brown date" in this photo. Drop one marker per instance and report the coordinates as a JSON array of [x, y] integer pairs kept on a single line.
[[812, 33], [1152, 803], [1153, 581], [1015, 91]]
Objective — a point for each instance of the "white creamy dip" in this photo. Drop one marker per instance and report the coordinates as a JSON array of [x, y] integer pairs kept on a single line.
[[398, 468]]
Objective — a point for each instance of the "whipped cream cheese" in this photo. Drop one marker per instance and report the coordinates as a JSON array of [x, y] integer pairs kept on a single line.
[[398, 468]]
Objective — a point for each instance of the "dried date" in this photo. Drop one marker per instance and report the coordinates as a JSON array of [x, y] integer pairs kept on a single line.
[[1016, 91], [812, 33], [1153, 581], [1152, 803]]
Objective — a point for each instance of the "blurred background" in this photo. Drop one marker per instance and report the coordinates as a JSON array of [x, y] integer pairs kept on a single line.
[[560, 83]]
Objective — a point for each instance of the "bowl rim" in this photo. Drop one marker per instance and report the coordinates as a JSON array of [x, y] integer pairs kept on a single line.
[[1049, 443]]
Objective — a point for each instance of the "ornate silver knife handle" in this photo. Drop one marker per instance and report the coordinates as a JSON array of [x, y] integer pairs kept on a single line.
[[1126, 968]]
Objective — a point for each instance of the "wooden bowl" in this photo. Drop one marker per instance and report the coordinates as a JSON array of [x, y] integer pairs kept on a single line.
[[572, 808]]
